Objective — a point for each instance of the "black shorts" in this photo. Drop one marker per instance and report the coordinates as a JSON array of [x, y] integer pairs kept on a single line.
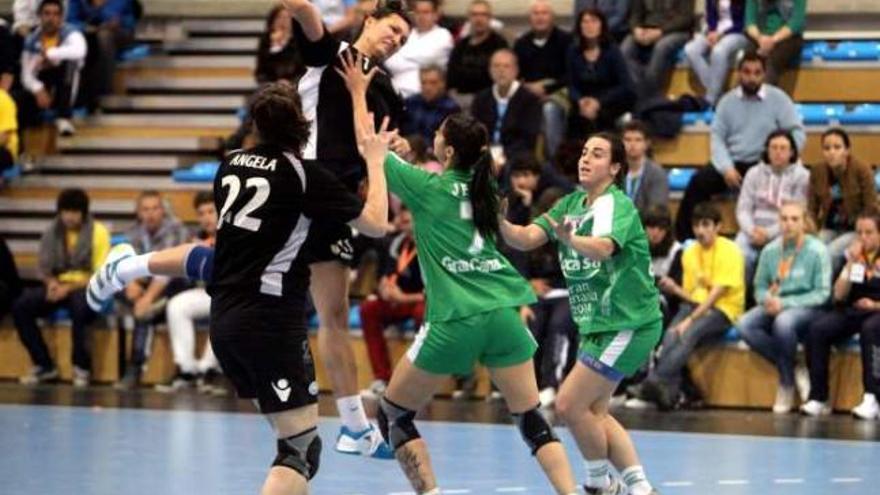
[[331, 242], [274, 367]]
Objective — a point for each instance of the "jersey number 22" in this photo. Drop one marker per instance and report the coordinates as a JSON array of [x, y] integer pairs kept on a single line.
[[242, 218]]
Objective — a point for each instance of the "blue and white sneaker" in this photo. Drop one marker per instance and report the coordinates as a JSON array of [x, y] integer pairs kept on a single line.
[[105, 282], [368, 443]]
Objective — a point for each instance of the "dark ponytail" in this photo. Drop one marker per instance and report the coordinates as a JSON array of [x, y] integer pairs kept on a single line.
[[470, 141]]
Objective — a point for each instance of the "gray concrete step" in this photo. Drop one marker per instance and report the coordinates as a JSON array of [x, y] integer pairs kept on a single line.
[[198, 85], [95, 182], [130, 144], [79, 163], [46, 206], [195, 62], [214, 45], [164, 120], [222, 27], [175, 103]]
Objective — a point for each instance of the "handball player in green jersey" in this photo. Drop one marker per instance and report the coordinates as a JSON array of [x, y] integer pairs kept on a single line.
[[473, 295], [605, 258]]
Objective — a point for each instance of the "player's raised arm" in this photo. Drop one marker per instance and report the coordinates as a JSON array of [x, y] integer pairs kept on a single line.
[[308, 16], [373, 146], [357, 81], [521, 238]]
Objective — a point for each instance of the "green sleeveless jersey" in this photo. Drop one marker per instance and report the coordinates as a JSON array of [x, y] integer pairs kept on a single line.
[[618, 293], [464, 273]]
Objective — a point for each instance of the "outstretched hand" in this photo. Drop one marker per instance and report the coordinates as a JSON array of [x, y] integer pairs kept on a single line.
[[564, 231], [352, 72], [373, 145]]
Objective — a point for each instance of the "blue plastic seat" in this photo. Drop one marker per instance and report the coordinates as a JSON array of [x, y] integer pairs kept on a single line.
[[820, 113], [865, 114], [691, 118], [138, 51], [198, 172], [849, 51], [12, 172], [732, 336], [679, 178]]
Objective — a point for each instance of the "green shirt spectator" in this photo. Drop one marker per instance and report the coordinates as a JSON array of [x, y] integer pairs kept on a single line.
[[775, 28]]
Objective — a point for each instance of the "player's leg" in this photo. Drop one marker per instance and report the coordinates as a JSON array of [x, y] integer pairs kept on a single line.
[[409, 390], [299, 450], [517, 384], [123, 266], [329, 288]]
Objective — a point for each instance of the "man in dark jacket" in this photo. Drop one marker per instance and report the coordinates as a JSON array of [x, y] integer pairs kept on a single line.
[[511, 113], [468, 69]]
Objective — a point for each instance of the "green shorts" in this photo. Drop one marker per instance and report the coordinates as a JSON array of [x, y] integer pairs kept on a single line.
[[496, 338], [618, 354]]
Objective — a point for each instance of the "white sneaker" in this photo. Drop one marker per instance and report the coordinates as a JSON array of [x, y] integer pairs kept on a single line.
[[815, 408], [81, 377], [494, 396], [802, 382], [64, 127], [784, 400], [368, 443], [105, 282], [617, 401], [547, 397], [868, 409], [375, 390], [616, 487]]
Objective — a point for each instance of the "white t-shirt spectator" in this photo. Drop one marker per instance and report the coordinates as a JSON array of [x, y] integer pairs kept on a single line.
[[421, 50]]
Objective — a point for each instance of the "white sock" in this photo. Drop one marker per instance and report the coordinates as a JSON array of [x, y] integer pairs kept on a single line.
[[597, 474], [636, 480], [352, 414], [134, 267]]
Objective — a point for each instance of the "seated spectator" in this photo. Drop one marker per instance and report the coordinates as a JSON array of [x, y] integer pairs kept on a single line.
[[743, 119], [428, 44], [189, 306], [549, 319], [659, 30], [775, 29], [400, 297], [10, 283], [109, 28], [420, 155], [616, 11], [8, 133], [468, 69], [712, 294], [599, 86], [646, 182], [511, 113], [541, 52], [154, 230], [780, 177], [53, 56], [665, 256], [792, 284], [841, 186], [711, 52], [72, 248], [427, 110], [277, 56], [857, 292]]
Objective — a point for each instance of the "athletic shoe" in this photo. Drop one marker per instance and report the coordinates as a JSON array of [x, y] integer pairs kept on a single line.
[[38, 374], [639, 404], [368, 443], [868, 409], [130, 380], [547, 397], [784, 400], [105, 282], [615, 488], [375, 390], [64, 127], [179, 381], [465, 387], [81, 377], [815, 408], [802, 382], [211, 383], [618, 400]]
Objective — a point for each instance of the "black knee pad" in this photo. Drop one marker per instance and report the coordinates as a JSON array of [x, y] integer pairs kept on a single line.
[[302, 453], [396, 423], [535, 430]]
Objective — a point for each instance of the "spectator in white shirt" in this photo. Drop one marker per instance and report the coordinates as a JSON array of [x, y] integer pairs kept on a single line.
[[428, 44]]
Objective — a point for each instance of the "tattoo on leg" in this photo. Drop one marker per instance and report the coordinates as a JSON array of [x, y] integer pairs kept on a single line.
[[412, 466]]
